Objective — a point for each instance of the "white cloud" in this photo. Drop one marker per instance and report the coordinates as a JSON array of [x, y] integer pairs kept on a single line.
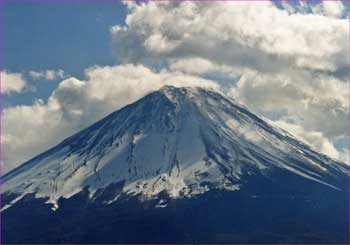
[[48, 74], [255, 35], [75, 104], [199, 66], [317, 102], [334, 9], [12, 82]]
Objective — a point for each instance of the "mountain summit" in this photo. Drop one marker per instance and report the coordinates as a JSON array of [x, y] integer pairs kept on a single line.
[[177, 144]]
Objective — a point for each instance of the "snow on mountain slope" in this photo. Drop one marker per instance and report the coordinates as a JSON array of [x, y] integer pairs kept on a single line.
[[184, 141]]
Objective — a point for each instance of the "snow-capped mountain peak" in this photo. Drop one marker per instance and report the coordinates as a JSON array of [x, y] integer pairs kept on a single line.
[[179, 141]]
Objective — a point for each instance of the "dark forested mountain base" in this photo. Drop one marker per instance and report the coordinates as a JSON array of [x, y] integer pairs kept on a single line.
[[283, 209]]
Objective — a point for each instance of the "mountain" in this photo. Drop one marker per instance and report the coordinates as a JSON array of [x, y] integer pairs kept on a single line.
[[179, 165]]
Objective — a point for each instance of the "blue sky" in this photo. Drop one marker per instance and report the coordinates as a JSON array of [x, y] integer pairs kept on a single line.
[[69, 36]]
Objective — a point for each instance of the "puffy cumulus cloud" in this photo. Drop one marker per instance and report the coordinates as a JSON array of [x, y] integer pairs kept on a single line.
[[75, 104], [12, 82], [28, 130], [317, 102], [200, 66], [47, 75], [258, 36]]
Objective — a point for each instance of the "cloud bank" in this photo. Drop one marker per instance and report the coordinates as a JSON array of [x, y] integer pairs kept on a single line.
[[256, 35]]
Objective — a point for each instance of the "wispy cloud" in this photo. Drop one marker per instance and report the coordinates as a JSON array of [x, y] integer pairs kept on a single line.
[[47, 75]]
